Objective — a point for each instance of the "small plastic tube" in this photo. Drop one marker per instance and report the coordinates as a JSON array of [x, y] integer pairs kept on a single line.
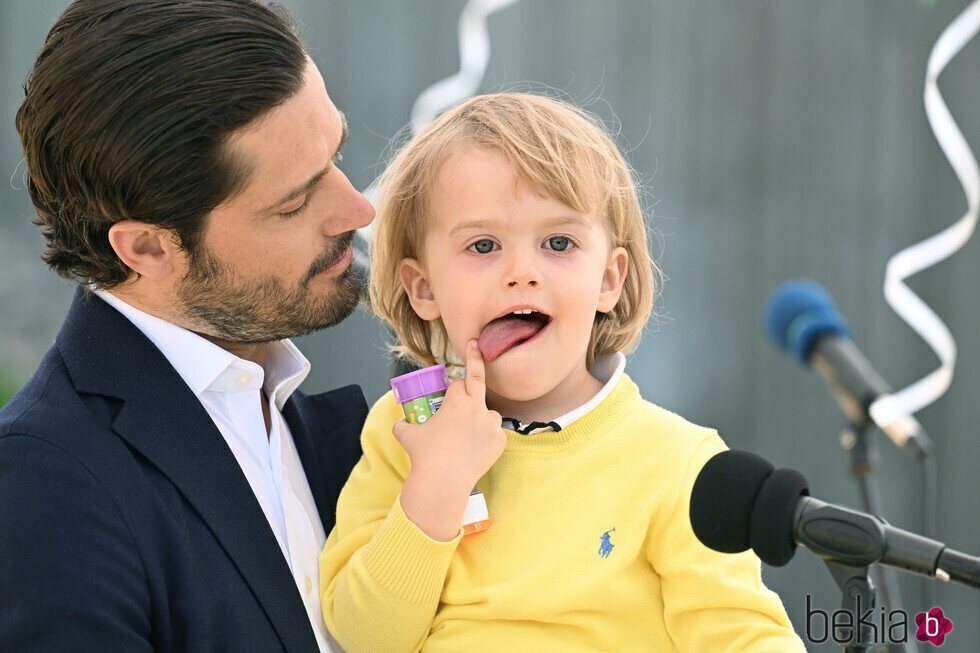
[[420, 394]]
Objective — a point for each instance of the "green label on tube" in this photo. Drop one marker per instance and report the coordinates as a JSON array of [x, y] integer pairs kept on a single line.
[[418, 411]]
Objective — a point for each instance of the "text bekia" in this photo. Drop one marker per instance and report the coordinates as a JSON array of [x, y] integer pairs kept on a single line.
[[842, 626], [891, 627]]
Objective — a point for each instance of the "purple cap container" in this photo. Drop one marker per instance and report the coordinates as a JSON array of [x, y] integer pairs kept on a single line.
[[420, 383]]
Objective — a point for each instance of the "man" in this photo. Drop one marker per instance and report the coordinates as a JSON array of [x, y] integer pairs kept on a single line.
[[163, 484]]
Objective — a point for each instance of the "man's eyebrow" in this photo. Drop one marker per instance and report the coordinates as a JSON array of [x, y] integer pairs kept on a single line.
[[553, 222], [315, 179], [344, 134]]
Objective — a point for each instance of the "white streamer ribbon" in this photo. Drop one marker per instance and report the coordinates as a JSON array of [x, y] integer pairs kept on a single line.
[[900, 405], [474, 56]]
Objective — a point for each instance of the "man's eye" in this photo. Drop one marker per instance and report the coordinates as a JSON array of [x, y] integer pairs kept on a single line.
[[559, 243], [296, 211], [483, 246]]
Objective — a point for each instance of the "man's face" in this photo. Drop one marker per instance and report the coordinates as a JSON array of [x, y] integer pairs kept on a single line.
[[274, 261]]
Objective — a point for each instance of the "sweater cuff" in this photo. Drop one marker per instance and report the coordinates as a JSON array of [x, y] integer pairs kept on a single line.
[[407, 562]]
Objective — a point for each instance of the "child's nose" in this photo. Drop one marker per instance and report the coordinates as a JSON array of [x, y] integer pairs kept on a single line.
[[521, 272]]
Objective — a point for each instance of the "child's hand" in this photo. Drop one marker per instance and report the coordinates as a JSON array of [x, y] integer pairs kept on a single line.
[[450, 452]]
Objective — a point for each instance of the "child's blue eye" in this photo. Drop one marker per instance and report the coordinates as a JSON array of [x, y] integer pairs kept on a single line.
[[559, 243], [483, 246]]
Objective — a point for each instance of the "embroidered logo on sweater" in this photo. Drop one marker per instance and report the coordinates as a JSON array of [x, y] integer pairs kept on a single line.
[[605, 546]]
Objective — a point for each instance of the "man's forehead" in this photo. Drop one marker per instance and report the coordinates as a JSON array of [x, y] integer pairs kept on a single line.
[[291, 143]]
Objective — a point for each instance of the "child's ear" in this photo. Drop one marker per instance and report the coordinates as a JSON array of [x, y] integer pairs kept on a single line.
[[418, 290], [613, 278]]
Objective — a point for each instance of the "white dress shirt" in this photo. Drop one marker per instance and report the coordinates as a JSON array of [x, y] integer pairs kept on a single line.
[[229, 388]]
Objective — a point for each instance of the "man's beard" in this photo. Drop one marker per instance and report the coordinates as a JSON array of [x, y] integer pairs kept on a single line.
[[222, 305]]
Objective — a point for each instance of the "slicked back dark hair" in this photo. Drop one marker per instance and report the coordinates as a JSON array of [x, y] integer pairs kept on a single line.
[[127, 113]]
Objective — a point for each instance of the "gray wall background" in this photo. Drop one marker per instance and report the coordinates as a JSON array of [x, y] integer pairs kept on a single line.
[[776, 138]]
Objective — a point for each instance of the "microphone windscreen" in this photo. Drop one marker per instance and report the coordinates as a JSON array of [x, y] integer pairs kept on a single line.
[[723, 497], [798, 313], [771, 531]]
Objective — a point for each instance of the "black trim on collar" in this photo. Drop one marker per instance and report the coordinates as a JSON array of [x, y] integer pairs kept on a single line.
[[515, 425]]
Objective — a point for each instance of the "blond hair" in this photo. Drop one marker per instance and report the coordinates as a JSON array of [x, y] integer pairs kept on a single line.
[[557, 149]]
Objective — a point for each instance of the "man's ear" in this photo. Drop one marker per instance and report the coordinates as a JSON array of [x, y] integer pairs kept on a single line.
[[417, 288], [145, 248], [613, 279]]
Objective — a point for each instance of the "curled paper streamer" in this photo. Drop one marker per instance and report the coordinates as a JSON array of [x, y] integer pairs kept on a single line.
[[900, 405], [474, 55]]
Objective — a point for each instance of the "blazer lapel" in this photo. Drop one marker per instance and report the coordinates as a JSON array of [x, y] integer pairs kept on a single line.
[[326, 429], [166, 423]]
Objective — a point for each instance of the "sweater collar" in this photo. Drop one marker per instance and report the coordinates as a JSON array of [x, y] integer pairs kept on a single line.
[[603, 417], [607, 369]]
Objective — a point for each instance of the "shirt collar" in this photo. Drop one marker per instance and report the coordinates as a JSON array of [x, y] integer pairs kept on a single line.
[[607, 369], [204, 366]]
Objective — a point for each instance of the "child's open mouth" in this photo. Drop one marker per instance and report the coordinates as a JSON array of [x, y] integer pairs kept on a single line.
[[510, 330]]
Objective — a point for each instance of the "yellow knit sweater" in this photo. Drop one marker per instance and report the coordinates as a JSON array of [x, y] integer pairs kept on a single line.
[[591, 549]]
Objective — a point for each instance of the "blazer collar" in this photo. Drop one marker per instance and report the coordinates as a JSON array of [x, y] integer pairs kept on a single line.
[[165, 422], [326, 429]]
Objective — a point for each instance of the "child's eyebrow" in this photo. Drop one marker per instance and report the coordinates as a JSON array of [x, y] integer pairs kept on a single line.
[[553, 222], [471, 224]]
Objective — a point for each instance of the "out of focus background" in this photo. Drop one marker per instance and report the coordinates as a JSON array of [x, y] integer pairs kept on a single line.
[[775, 139]]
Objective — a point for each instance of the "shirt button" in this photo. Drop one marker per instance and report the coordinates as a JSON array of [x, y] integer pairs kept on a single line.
[[309, 585], [243, 380]]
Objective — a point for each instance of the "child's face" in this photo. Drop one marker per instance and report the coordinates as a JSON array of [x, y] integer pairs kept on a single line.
[[493, 246]]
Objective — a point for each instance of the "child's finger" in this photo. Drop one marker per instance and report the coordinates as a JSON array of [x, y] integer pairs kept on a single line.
[[456, 386], [400, 430], [476, 380]]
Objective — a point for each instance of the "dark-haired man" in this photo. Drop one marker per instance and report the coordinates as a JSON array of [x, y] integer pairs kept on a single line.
[[163, 483]]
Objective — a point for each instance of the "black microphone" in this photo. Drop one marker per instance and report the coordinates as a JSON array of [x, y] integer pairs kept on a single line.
[[740, 501], [802, 320]]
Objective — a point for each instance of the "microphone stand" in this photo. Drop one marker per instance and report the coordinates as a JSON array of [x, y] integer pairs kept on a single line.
[[857, 592], [864, 454]]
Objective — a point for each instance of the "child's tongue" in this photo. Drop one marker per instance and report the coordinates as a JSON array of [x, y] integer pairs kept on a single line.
[[503, 333]]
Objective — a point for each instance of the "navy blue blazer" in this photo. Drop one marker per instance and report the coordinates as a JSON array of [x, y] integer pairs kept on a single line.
[[125, 522]]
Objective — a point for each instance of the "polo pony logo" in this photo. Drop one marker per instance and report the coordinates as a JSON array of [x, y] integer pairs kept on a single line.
[[605, 546]]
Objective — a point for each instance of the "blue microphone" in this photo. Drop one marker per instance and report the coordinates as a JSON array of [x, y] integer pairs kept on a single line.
[[801, 319]]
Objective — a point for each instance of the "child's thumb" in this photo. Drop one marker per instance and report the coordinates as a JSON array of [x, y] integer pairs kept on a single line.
[[401, 430]]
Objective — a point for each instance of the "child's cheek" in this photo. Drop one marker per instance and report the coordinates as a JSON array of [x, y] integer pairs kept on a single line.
[[471, 263]]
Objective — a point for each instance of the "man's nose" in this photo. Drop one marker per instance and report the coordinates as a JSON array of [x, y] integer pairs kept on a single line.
[[364, 213], [354, 211]]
